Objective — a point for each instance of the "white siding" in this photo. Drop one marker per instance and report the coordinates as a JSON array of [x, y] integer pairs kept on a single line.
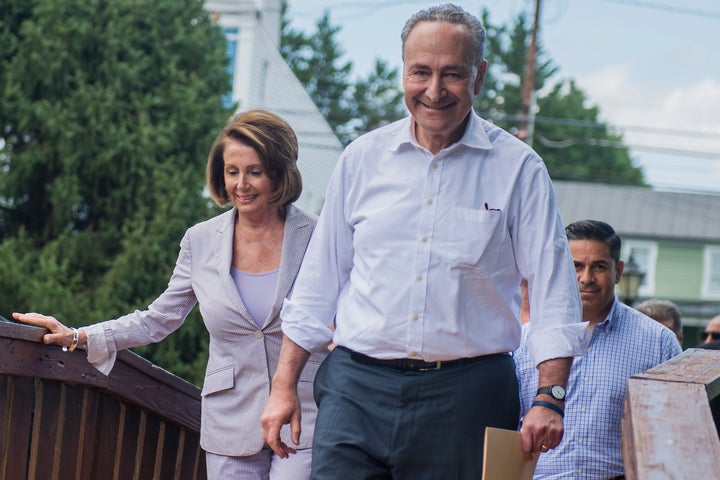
[[262, 79]]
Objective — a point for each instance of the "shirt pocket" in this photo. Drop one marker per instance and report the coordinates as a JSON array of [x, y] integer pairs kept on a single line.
[[219, 380], [474, 238]]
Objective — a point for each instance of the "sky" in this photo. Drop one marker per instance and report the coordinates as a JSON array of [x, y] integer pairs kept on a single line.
[[652, 67]]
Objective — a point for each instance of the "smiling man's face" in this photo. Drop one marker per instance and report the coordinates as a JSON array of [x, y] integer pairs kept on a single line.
[[440, 81]]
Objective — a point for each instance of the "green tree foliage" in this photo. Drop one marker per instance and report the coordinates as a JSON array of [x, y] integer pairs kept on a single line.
[[376, 99], [575, 145], [568, 133], [350, 108], [107, 112], [316, 62]]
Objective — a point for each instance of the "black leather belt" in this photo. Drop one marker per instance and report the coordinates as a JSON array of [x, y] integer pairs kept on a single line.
[[412, 364]]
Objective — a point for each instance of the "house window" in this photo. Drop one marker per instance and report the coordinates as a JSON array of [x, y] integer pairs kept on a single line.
[[711, 273], [231, 37], [645, 256]]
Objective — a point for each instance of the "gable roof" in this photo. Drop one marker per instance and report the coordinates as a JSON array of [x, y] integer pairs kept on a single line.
[[641, 211]]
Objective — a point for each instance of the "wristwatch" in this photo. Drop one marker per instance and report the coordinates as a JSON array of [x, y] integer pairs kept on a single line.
[[555, 391]]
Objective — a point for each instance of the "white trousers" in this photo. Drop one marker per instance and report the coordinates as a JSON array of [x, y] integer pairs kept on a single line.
[[264, 465]]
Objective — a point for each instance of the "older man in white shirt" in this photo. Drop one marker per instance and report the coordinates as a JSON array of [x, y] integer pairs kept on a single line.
[[428, 226]]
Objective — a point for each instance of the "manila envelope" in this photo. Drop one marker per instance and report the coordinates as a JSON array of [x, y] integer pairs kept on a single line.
[[503, 457]]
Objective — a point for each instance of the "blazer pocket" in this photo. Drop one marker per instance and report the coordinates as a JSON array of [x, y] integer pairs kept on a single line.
[[219, 380]]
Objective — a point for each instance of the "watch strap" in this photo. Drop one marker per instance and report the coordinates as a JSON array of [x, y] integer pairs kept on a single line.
[[551, 406], [549, 391]]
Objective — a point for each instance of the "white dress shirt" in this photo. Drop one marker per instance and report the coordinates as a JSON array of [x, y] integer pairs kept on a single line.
[[418, 255]]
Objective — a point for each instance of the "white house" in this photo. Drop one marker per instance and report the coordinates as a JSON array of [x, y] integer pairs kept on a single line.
[[262, 79]]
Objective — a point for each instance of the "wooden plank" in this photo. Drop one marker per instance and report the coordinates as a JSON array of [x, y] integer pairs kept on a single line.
[[22, 331], [6, 393], [30, 359], [89, 429], [148, 452], [129, 445], [133, 379], [70, 444], [79, 430], [107, 447], [168, 455], [159, 397], [20, 396], [661, 434], [694, 365], [44, 431], [190, 466]]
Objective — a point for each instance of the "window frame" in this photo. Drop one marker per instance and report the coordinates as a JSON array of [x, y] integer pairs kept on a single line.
[[710, 253]]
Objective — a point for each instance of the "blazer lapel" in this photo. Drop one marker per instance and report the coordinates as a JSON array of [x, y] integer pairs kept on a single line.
[[295, 240], [223, 246]]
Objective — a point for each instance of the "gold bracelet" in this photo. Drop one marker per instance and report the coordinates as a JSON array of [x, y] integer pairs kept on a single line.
[[76, 337]]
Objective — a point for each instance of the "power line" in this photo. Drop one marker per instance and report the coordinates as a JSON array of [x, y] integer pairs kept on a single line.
[[696, 12], [600, 142]]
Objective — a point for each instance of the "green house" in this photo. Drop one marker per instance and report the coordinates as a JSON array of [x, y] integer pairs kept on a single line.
[[673, 237]]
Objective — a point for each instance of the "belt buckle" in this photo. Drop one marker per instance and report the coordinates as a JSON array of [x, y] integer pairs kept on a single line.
[[437, 366]]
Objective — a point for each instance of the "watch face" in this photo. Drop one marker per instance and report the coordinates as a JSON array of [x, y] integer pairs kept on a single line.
[[558, 392]]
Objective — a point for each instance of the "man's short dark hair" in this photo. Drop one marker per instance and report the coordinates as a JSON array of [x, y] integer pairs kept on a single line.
[[595, 230]]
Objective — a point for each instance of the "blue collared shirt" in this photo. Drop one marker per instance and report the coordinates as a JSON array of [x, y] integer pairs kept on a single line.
[[624, 344]]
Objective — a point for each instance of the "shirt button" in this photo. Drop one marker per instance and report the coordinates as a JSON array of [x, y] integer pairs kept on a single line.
[[423, 239], [429, 201], [415, 316], [434, 165], [419, 277], [414, 354], [258, 334]]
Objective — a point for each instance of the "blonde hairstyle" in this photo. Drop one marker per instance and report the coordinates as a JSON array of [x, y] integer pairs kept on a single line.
[[275, 142]]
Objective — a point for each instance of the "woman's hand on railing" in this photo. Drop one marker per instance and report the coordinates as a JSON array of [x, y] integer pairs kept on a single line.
[[66, 337]]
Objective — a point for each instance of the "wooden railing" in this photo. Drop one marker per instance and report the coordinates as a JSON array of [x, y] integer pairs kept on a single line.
[[62, 419], [672, 418]]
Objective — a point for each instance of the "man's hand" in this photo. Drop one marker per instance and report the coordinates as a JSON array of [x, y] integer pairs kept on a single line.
[[542, 430], [282, 408], [542, 427]]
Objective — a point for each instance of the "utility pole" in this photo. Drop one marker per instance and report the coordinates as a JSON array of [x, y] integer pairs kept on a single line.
[[526, 125]]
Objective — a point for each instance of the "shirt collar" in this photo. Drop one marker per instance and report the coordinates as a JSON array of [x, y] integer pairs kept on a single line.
[[475, 135], [611, 318]]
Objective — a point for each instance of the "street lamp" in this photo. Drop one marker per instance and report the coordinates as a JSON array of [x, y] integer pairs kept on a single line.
[[630, 281]]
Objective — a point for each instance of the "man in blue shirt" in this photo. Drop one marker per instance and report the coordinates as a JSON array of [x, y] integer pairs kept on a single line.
[[624, 342]]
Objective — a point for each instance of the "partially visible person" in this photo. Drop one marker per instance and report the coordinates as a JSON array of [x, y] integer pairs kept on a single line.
[[524, 302], [712, 330], [429, 224], [239, 266], [665, 312], [711, 335], [624, 342]]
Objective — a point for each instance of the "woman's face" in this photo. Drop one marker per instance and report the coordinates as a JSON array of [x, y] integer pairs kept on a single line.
[[247, 183]]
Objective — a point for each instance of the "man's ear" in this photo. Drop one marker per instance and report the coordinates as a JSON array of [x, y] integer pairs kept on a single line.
[[619, 267], [480, 77]]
